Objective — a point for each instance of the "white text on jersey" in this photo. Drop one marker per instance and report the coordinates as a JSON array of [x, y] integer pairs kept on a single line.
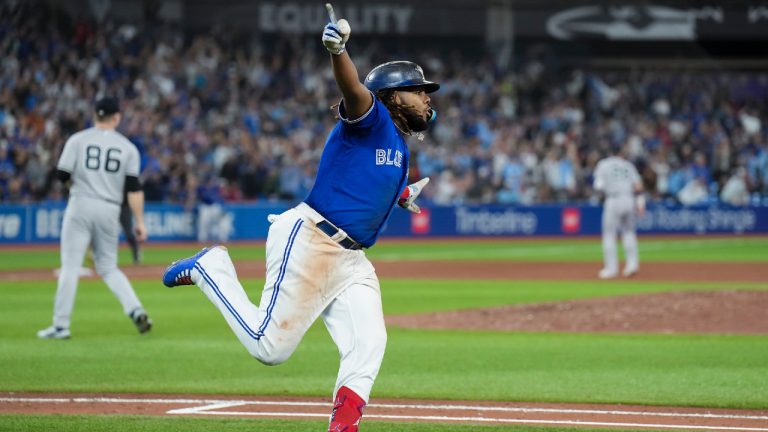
[[384, 157]]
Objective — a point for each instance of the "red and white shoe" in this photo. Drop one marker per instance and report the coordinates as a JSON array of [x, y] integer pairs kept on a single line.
[[347, 411]]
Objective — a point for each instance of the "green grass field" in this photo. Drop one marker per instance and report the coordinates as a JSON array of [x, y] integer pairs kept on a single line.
[[150, 424], [191, 350], [687, 249]]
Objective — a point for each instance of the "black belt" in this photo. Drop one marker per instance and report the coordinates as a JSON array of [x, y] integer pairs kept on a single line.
[[331, 230]]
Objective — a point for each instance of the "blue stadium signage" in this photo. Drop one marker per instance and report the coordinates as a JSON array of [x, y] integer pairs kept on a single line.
[[41, 223]]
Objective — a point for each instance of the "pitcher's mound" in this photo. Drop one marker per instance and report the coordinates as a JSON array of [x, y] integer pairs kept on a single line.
[[731, 311]]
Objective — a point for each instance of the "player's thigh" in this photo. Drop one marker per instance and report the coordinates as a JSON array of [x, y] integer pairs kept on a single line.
[[106, 233], [630, 222], [299, 281], [627, 219], [75, 236], [355, 320], [610, 218]]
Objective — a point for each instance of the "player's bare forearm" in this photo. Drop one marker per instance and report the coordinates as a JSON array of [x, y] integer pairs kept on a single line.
[[136, 203], [357, 98]]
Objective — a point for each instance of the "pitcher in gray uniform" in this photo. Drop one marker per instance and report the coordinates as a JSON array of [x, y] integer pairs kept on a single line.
[[619, 181], [102, 164]]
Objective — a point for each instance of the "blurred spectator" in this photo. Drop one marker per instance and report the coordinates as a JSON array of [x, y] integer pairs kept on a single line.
[[153, 184], [694, 192], [735, 192], [256, 115], [213, 223]]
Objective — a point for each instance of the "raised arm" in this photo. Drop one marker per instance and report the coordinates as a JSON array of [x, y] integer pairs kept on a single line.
[[357, 98]]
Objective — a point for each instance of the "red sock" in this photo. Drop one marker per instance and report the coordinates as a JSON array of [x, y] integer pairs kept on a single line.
[[347, 411]]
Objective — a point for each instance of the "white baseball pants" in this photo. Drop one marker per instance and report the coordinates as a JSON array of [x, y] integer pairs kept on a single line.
[[308, 275], [90, 221], [619, 216]]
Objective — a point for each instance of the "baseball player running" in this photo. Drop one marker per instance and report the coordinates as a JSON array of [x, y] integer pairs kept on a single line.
[[101, 163], [620, 182], [316, 266]]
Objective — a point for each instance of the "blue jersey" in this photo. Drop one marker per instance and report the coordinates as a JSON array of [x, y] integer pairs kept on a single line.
[[363, 170]]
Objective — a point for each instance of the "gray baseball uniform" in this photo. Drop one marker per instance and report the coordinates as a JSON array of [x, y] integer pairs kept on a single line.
[[99, 161], [618, 179]]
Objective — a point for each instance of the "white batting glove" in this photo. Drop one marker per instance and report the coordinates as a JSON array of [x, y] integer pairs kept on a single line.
[[410, 194], [335, 35]]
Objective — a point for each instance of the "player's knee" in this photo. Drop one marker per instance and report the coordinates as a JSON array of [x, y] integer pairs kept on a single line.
[[104, 269], [374, 343], [269, 357], [381, 338]]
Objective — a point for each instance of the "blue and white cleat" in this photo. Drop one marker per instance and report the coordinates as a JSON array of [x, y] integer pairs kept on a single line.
[[180, 271]]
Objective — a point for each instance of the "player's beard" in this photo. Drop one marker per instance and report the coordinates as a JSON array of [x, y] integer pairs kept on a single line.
[[415, 121]]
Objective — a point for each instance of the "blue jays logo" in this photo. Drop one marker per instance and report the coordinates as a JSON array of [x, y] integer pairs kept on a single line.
[[385, 157]]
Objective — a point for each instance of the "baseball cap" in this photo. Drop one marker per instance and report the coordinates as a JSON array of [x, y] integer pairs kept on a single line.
[[106, 106]]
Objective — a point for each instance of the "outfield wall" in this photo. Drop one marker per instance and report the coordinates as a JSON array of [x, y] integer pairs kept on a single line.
[[41, 223]]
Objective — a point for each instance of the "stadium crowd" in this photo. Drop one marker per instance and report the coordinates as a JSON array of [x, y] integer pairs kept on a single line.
[[221, 117]]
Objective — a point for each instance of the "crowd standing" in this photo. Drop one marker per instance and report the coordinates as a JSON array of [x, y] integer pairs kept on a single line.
[[250, 116]]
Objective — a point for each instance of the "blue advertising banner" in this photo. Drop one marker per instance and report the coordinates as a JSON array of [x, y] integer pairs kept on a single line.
[[41, 223], [14, 224], [45, 222], [572, 220], [235, 221]]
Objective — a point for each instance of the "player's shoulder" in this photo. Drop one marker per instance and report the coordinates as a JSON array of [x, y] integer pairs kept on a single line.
[[373, 116], [122, 140], [603, 162], [615, 160], [78, 136], [627, 162]]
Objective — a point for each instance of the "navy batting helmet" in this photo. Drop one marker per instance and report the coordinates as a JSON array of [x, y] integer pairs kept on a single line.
[[398, 74]]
